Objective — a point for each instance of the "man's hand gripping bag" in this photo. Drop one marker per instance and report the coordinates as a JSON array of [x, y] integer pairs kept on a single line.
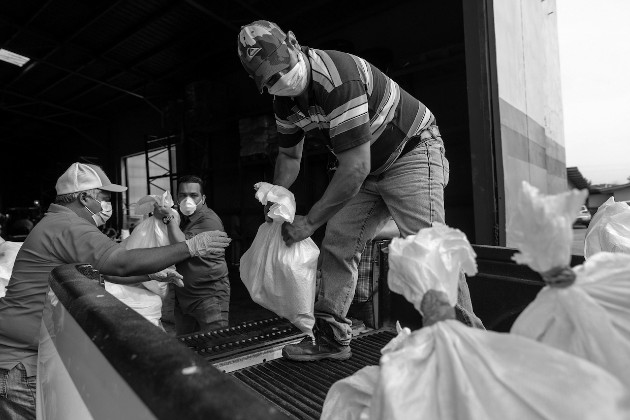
[[281, 278]]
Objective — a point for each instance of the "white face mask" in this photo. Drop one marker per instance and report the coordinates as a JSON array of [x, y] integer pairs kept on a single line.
[[293, 83], [102, 216], [187, 206]]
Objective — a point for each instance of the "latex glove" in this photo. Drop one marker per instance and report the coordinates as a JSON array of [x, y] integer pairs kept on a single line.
[[205, 243], [168, 275], [297, 231]]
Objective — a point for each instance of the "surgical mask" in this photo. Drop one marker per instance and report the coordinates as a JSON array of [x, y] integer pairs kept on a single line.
[[102, 216], [293, 83], [187, 206]]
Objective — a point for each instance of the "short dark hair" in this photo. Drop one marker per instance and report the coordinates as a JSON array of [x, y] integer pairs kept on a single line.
[[191, 179]]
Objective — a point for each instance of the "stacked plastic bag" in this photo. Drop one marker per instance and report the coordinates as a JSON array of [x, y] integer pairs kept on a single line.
[[146, 299], [609, 229], [447, 370], [585, 310], [280, 278], [8, 253]]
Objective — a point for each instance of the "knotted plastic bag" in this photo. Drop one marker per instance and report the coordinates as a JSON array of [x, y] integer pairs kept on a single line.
[[585, 310], [542, 227], [451, 371], [447, 370], [350, 398], [8, 253], [281, 278], [434, 255], [609, 229], [150, 233]]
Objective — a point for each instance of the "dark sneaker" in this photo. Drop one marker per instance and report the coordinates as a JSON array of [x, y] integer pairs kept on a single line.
[[313, 349]]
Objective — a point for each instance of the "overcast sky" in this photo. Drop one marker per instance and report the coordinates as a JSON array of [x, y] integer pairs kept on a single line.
[[594, 41]]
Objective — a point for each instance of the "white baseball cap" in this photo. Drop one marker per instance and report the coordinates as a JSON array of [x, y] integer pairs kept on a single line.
[[83, 177]]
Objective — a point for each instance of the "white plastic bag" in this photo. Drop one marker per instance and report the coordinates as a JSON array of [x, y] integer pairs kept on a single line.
[[609, 230], [8, 253], [591, 318], [451, 371], [585, 310], [145, 302], [281, 278], [150, 233], [349, 398], [447, 370], [541, 227], [432, 255]]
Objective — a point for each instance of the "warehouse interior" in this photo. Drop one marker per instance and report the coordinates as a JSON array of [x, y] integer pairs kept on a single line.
[[110, 80]]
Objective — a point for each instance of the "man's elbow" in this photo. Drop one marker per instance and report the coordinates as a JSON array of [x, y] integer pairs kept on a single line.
[[118, 264], [359, 171], [355, 175]]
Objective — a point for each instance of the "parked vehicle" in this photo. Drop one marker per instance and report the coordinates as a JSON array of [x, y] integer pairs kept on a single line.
[[583, 218]]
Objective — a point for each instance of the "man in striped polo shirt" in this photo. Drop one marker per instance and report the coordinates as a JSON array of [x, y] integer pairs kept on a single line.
[[390, 162]]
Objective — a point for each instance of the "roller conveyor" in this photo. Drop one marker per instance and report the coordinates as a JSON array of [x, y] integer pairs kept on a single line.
[[251, 353]]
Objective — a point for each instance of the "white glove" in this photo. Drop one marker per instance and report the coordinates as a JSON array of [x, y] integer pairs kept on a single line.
[[204, 243], [168, 275]]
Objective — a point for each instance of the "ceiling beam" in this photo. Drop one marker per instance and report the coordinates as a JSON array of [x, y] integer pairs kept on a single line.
[[150, 54], [71, 127], [213, 15], [126, 36], [39, 34], [251, 9], [22, 28], [61, 44], [50, 104], [122, 39]]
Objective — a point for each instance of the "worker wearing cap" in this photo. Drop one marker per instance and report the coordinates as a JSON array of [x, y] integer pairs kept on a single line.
[[68, 233], [391, 162]]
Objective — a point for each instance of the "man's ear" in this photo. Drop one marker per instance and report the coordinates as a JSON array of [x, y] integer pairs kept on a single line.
[[203, 199], [82, 198]]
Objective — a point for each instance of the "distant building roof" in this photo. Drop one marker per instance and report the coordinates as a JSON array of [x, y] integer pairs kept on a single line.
[[610, 188], [576, 178]]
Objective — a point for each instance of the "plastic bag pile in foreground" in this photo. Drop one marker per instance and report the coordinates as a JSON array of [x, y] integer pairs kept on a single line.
[[584, 310], [447, 370]]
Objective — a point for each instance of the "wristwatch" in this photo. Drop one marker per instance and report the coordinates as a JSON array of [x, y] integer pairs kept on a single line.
[[167, 219]]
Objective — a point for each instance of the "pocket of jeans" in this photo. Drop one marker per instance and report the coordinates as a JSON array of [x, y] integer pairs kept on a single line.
[[31, 382]]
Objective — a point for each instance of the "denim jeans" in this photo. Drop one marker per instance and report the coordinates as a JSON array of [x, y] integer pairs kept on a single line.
[[17, 394], [211, 313], [412, 191]]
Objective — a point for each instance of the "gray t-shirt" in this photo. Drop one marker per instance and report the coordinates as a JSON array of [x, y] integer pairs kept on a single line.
[[61, 237]]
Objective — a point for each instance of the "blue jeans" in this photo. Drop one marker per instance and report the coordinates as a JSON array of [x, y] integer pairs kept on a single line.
[[412, 191], [210, 313], [17, 394]]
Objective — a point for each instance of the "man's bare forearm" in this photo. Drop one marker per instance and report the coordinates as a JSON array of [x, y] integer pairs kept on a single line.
[[286, 170], [128, 281], [344, 185], [129, 262], [175, 234]]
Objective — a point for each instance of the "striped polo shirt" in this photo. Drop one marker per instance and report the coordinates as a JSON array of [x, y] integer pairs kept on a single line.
[[352, 102]]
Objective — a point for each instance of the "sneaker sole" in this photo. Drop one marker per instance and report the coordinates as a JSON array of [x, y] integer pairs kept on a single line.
[[344, 355]]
